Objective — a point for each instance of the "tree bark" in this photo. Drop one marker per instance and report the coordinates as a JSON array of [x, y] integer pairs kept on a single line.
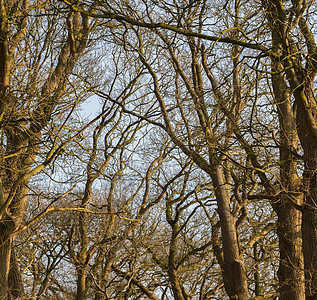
[[235, 280], [309, 228], [81, 283], [15, 278], [290, 273], [300, 81], [5, 252]]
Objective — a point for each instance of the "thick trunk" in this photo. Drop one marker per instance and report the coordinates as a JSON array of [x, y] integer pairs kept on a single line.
[[309, 228], [235, 280], [11, 284], [15, 279], [176, 287], [234, 276], [309, 231], [81, 283], [300, 80], [5, 253], [11, 218], [290, 273]]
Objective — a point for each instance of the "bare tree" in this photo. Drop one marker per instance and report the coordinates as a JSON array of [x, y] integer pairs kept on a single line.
[[35, 66], [229, 87], [288, 41]]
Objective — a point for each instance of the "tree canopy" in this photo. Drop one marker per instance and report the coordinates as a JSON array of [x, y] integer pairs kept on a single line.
[[158, 150]]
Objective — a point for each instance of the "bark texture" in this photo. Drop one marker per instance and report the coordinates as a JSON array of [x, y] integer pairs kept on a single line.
[[300, 79], [291, 274], [234, 273]]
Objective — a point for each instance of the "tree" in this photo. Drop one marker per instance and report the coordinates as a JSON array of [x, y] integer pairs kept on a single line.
[[287, 55], [300, 80], [228, 87], [43, 50], [209, 145]]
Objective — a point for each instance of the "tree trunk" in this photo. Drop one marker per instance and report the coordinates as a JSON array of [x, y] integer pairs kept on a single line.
[[172, 272], [5, 253], [235, 280], [290, 273], [15, 279], [300, 80], [81, 283], [10, 279], [309, 227]]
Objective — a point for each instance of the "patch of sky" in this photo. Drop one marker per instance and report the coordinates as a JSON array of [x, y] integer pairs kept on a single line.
[[91, 107]]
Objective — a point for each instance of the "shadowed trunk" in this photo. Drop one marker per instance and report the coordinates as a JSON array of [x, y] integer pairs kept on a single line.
[[290, 273], [300, 80], [15, 278], [309, 228]]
